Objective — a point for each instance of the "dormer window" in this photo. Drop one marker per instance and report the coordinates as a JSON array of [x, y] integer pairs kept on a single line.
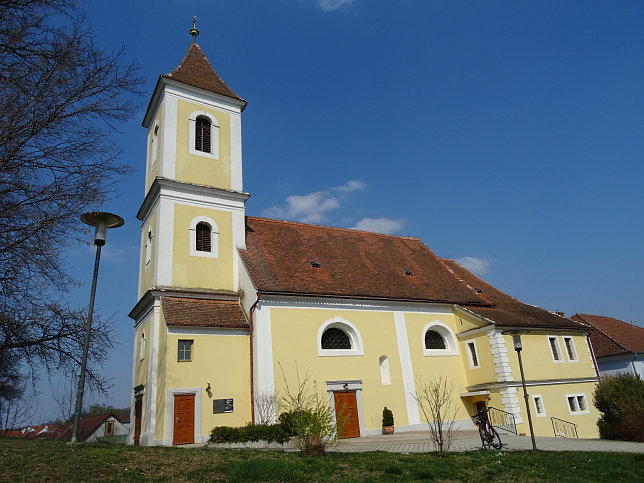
[[314, 263], [202, 134]]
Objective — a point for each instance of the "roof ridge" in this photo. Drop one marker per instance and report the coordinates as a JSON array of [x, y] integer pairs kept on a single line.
[[338, 228]]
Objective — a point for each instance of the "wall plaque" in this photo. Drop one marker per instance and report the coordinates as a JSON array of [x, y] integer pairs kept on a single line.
[[222, 406]]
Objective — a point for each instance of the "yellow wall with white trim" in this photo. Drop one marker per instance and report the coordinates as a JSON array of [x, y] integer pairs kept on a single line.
[[295, 333], [154, 170], [202, 272], [147, 271], [192, 168], [141, 366]]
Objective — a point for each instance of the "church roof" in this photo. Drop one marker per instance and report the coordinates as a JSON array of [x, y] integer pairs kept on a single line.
[[504, 309], [611, 336], [183, 311], [295, 258], [197, 71]]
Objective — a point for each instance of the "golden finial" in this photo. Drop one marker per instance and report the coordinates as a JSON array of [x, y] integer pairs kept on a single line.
[[193, 31]]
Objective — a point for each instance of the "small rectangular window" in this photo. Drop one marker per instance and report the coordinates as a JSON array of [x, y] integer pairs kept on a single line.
[[474, 360], [554, 348], [577, 403], [185, 351], [109, 428], [539, 408], [570, 348], [142, 347]]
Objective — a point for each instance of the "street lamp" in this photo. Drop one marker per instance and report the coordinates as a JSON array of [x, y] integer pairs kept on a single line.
[[101, 221], [516, 339]]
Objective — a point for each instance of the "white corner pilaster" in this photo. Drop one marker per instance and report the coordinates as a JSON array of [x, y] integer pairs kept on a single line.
[[409, 385], [499, 356], [263, 374]]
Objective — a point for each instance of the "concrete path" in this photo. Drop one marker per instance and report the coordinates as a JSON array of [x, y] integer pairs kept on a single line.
[[419, 442]]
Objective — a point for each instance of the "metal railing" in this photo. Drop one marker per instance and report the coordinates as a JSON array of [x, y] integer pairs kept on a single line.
[[564, 429], [502, 420]]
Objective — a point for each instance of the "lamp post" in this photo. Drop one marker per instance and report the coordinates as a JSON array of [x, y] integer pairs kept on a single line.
[[516, 339], [101, 221]]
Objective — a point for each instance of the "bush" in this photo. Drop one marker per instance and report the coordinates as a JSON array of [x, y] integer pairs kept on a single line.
[[387, 417], [251, 432], [620, 399], [296, 421]]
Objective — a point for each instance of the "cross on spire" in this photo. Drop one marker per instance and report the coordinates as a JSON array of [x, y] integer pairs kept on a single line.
[[193, 31]]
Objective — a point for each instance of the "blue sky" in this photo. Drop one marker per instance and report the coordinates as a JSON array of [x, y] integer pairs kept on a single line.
[[504, 134]]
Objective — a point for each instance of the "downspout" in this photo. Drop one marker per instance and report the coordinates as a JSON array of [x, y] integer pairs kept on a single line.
[[252, 365]]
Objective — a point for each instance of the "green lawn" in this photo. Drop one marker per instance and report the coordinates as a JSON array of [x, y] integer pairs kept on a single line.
[[23, 460]]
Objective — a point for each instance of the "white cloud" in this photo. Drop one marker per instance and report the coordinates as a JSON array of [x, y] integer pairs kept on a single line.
[[313, 207], [331, 5], [478, 266], [379, 225]]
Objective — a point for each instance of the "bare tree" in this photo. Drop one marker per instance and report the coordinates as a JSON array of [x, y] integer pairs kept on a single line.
[[16, 398], [265, 407], [61, 99], [436, 401]]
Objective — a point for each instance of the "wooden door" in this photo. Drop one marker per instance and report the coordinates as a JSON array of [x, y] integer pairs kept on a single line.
[[346, 411], [184, 419], [138, 415]]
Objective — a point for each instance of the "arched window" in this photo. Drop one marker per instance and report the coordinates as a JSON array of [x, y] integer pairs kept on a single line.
[[202, 134], [385, 375], [433, 340], [339, 337], [334, 338], [439, 340], [203, 241], [204, 237]]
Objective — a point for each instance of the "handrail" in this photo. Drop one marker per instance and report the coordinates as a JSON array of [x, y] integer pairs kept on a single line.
[[564, 429], [502, 420]]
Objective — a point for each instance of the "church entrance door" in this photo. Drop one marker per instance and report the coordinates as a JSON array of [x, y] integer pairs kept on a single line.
[[184, 419], [346, 410]]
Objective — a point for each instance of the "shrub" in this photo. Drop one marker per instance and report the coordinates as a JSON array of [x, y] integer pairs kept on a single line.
[[251, 432], [620, 399], [387, 417]]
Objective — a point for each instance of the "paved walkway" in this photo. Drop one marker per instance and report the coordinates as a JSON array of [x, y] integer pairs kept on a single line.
[[419, 442]]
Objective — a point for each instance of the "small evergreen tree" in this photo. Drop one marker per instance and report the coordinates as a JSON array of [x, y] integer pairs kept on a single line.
[[387, 417]]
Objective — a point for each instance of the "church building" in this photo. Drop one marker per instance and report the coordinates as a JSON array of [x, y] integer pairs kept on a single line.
[[230, 307]]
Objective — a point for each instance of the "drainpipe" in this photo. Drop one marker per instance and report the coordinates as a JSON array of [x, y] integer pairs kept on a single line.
[[252, 365]]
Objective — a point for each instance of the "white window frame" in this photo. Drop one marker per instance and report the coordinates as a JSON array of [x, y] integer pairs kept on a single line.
[[148, 246], [451, 346], [214, 237], [385, 373], [470, 359], [154, 144], [541, 414], [214, 135], [558, 348], [350, 329], [142, 346], [566, 339], [576, 397]]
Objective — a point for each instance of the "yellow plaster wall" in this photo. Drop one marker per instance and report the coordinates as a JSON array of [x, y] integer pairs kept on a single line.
[[141, 366], [202, 272], [162, 383], [556, 405], [153, 171], [295, 333], [224, 361], [538, 363], [147, 272], [486, 372], [428, 368], [192, 168]]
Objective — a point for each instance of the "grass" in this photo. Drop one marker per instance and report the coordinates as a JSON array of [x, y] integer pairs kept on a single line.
[[25, 460]]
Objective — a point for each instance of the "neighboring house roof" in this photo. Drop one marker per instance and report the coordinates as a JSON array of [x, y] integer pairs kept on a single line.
[[195, 70], [180, 311], [610, 336], [280, 256], [86, 426], [505, 310]]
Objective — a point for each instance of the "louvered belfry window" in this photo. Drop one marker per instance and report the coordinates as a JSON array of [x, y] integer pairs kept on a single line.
[[433, 340], [202, 134], [335, 338], [203, 237]]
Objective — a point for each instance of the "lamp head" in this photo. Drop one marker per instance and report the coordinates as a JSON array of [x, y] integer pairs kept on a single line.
[[101, 222]]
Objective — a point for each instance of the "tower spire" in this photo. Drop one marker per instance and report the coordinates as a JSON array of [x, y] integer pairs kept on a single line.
[[193, 31]]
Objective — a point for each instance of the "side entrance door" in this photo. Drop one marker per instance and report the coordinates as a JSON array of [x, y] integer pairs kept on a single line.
[[138, 413], [346, 411], [184, 419]]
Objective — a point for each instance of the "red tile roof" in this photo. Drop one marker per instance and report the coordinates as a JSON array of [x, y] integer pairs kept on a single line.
[[612, 336], [86, 426], [506, 310], [193, 312], [195, 70], [351, 264]]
